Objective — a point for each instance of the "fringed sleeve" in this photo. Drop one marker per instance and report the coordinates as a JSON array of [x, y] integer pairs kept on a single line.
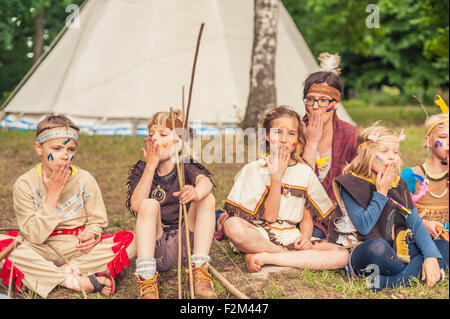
[[192, 169], [318, 203], [248, 194], [134, 176]]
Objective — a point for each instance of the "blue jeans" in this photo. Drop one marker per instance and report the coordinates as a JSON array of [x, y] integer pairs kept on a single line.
[[318, 233], [391, 271]]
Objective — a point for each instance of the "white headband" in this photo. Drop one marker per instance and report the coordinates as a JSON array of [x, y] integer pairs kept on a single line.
[[58, 132]]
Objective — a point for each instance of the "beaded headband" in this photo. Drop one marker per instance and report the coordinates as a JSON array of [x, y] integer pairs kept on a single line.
[[58, 132], [432, 127]]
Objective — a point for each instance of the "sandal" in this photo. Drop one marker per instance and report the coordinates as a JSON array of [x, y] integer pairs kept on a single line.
[[221, 217], [98, 287]]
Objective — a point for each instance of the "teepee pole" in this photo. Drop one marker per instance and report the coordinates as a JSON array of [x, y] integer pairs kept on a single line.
[[37, 62]]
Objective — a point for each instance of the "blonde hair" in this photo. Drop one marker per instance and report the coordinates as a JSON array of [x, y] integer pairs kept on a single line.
[[163, 119], [282, 111], [362, 163], [53, 121], [432, 122]]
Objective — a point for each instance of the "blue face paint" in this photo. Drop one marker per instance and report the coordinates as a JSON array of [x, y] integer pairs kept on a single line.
[[329, 109], [71, 158], [66, 141], [379, 159], [437, 144], [50, 157]]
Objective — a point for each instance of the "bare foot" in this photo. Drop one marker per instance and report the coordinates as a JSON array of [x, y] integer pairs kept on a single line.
[[106, 291], [87, 285], [253, 262]]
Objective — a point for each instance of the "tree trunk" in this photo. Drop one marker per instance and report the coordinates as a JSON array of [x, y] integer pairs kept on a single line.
[[38, 40], [262, 95]]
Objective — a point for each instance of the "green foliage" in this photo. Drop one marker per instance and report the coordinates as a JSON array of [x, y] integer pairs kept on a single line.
[[409, 50], [17, 25]]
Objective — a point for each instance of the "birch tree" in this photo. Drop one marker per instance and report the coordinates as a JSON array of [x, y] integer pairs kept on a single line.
[[262, 95]]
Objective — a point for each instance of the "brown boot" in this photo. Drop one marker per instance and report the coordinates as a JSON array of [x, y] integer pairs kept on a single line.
[[148, 288], [203, 288]]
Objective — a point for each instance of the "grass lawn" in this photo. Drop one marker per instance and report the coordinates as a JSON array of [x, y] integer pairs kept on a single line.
[[108, 159]]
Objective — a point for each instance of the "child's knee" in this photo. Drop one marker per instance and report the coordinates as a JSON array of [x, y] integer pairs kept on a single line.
[[149, 206], [233, 228], [209, 200]]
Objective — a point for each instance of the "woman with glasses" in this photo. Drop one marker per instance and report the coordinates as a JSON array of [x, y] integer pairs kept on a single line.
[[330, 142]]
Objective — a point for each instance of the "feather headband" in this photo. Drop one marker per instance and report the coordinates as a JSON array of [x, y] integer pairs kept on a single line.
[[444, 109]]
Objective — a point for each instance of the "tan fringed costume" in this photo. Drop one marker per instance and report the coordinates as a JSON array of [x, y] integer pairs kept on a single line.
[[80, 209], [300, 189]]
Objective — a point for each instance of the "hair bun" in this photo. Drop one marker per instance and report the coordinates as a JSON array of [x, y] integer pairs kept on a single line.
[[330, 62]]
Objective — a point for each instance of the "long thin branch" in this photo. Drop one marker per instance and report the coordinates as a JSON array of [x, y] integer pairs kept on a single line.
[[185, 125], [68, 264], [232, 289]]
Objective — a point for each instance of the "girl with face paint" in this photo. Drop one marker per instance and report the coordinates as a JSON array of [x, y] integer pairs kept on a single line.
[[154, 196], [376, 213], [428, 182], [271, 208]]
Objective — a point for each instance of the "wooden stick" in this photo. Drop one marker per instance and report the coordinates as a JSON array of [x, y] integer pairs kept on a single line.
[[188, 249], [68, 264], [9, 228], [185, 125], [38, 61], [421, 105], [188, 243], [12, 268], [183, 116], [5, 252], [182, 105], [180, 216], [87, 215], [229, 286]]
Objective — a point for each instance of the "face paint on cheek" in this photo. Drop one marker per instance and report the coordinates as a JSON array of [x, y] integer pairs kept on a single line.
[[438, 144], [50, 157], [163, 146], [329, 109], [294, 142], [378, 159], [72, 157]]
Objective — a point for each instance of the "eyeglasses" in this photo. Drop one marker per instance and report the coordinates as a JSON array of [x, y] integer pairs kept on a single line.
[[310, 100]]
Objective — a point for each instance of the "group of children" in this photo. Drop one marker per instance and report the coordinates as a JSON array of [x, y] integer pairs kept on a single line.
[[324, 196]]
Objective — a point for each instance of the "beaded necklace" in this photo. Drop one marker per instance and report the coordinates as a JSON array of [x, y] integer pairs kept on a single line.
[[435, 178]]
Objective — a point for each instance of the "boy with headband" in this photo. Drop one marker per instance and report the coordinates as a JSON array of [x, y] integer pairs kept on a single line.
[[61, 216]]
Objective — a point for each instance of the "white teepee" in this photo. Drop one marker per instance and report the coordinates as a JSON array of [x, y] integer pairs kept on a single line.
[[130, 58]]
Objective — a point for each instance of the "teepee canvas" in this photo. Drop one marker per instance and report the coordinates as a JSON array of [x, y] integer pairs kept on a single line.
[[127, 59]]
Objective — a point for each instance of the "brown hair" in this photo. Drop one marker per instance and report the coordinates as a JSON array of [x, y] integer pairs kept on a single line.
[[329, 78], [53, 121], [281, 111]]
